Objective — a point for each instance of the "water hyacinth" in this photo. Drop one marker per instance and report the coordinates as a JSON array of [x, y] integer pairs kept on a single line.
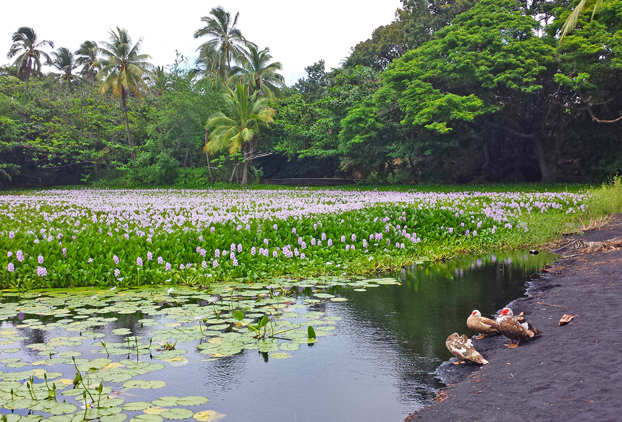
[[123, 224]]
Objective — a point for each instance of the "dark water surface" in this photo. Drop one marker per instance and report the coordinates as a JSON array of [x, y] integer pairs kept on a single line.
[[377, 365]]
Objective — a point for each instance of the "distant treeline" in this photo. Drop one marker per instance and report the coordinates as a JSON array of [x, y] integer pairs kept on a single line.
[[450, 91]]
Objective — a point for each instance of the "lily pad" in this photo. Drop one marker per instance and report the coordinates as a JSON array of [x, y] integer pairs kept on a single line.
[[192, 400], [136, 405], [177, 414], [147, 418], [280, 355], [209, 415]]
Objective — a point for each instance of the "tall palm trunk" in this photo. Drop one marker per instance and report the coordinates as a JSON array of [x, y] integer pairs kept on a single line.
[[127, 123], [27, 79]]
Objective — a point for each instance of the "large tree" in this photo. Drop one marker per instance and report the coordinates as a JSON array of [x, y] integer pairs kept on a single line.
[[87, 56], [64, 61], [225, 40], [123, 71], [28, 52], [261, 73], [238, 130]]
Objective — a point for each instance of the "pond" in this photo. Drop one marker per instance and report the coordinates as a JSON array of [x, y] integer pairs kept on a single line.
[[185, 353]]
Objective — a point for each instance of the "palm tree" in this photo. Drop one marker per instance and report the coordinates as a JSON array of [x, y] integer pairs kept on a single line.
[[25, 42], [87, 58], [65, 63], [239, 131], [226, 39], [573, 19], [262, 75], [123, 71]]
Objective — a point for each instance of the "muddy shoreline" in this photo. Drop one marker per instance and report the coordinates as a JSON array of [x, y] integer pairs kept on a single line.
[[571, 372]]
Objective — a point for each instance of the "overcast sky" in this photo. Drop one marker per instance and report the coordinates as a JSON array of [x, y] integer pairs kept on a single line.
[[299, 33]]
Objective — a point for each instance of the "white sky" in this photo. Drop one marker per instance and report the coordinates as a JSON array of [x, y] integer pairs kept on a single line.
[[299, 33]]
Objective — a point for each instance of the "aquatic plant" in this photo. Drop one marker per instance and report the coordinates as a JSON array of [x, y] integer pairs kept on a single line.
[[86, 237]]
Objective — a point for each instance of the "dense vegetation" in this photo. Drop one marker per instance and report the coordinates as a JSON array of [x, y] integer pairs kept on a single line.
[[457, 91]]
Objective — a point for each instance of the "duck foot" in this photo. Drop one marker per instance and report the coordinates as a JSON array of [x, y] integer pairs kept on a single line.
[[481, 336]]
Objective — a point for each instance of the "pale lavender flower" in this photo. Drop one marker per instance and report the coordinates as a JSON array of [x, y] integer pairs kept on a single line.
[[9, 254], [149, 256], [36, 241], [343, 239], [90, 260], [474, 232], [313, 241], [323, 236], [353, 247], [235, 262], [275, 254], [450, 230], [203, 252], [11, 234], [467, 232], [139, 261], [200, 238], [239, 247], [347, 247], [116, 260], [42, 271], [217, 253], [182, 267], [266, 241], [353, 237], [167, 267], [212, 229], [232, 255], [204, 264], [160, 260], [364, 243], [302, 256], [253, 251], [294, 230], [275, 227], [10, 267], [330, 242], [64, 251], [40, 259], [19, 255], [215, 264], [232, 247]]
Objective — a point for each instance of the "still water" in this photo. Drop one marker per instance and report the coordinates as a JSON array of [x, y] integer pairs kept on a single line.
[[376, 362]]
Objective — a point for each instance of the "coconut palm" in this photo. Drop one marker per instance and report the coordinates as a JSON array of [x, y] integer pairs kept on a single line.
[[261, 74], [226, 40], [573, 19], [64, 61], [124, 70], [27, 50], [87, 58], [238, 132]]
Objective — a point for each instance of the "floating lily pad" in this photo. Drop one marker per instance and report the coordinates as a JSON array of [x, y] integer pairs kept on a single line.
[[137, 405], [192, 400], [61, 409], [177, 414], [166, 401], [119, 417], [121, 332], [208, 415], [280, 355], [147, 418]]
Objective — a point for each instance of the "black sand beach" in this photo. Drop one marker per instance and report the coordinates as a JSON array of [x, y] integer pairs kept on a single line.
[[571, 372]]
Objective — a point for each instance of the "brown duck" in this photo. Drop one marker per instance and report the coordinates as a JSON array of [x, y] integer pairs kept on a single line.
[[462, 348], [515, 327], [482, 325]]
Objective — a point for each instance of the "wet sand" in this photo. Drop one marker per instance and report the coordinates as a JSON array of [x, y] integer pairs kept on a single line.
[[570, 373]]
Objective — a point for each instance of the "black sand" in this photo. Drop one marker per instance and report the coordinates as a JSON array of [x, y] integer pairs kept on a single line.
[[570, 373]]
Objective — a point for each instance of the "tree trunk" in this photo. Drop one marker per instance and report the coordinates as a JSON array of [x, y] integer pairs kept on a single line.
[[545, 170], [127, 123], [209, 167], [245, 173], [27, 80]]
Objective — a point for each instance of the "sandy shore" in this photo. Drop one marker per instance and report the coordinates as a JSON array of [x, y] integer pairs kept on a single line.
[[570, 373]]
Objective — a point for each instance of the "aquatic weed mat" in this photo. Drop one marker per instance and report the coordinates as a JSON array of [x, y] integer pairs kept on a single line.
[[79, 354], [129, 238]]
